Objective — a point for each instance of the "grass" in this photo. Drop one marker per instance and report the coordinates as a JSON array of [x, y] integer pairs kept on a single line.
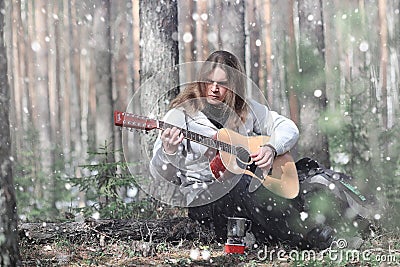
[[380, 251]]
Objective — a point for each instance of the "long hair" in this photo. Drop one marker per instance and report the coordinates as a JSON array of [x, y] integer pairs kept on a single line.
[[192, 96]]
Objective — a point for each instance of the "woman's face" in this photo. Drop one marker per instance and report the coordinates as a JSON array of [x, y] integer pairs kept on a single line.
[[216, 86]]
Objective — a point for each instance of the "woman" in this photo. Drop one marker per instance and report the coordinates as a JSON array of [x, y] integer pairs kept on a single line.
[[217, 100]]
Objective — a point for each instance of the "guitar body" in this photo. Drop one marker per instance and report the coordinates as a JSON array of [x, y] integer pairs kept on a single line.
[[233, 154], [283, 179]]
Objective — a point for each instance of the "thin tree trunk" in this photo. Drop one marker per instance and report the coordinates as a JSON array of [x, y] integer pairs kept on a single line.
[[331, 54], [159, 83], [383, 40], [313, 141], [121, 77], [292, 67], [41, 91], [186, 28], [17, 81], [230, 18], [9, 252], [252, 52], [102, 78], [54, 105], [268, 53], [65, 80]]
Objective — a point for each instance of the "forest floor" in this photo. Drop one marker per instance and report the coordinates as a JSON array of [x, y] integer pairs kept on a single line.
[[379, 251]]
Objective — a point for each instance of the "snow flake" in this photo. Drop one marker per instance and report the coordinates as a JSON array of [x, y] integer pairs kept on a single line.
[[258, 42], [47, 248], [377, 216], [67, 186], [310, 17], [132, 192], [175, 36], [194, 254], [36, 46], [205, 255], [204, 16], [319, 218], [195, 16], [212, 37], [89, 17], [96, 215], [318, 93], [187, 37], [303, 216]]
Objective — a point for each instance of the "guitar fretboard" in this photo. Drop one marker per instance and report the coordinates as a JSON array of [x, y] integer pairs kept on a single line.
[[201, 139]]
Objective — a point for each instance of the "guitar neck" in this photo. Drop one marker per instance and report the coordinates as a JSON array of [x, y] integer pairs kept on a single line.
[[198, 138], [129, 120]]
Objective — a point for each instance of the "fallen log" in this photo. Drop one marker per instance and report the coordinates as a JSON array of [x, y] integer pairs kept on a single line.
[[128, 230]]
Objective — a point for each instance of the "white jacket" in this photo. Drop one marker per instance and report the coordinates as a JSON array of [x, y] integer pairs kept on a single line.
[[191, 166]]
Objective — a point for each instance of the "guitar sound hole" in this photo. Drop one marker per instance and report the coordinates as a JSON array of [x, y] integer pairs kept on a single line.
[[242, 155]]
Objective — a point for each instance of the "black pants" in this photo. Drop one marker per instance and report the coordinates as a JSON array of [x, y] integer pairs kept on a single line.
[[274, 219]]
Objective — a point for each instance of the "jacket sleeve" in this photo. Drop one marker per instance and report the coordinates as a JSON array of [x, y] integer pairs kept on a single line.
[[163, 165], [283, 132]]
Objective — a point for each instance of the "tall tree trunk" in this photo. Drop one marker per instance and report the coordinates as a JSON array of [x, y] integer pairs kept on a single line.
[[54, 102], [102, 78], [75, 107], [186, 27], [331, 54], [313, 141], [282, 41], [41, 91], [292, 67], [159, 52], [268, 53], [9, 252], [121, 76], [17, 82], [65, 80], [201, 30], [252, 52], [383, 40], [230, 19]]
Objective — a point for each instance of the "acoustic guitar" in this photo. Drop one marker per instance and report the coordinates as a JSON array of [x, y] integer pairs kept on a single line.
[[233, 154]]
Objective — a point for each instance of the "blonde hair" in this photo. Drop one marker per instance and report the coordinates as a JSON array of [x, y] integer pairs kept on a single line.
[[191, 98]]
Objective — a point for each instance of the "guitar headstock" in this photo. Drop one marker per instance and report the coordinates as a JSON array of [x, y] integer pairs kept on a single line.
[[129, 120]]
